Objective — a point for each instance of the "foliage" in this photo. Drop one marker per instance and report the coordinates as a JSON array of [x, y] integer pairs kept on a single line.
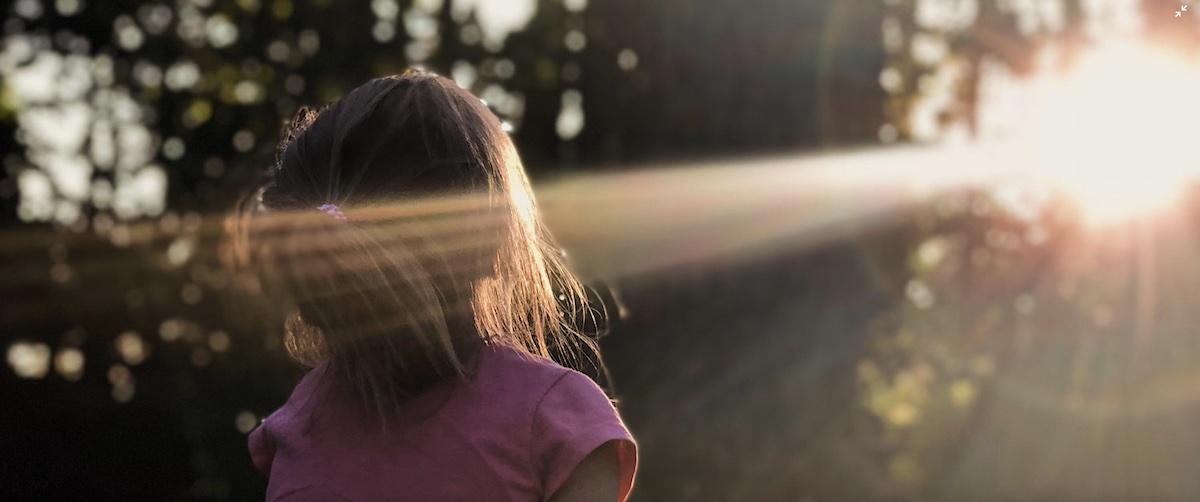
[[868, 369]]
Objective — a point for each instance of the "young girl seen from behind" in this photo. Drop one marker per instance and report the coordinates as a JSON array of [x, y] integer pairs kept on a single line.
[[400, 224]]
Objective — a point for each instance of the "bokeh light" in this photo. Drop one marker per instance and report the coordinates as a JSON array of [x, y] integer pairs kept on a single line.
[[69, 363], [29, 360], [909, 250]]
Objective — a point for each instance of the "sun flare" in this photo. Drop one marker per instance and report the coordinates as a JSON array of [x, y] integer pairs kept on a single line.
[[1118, 133]]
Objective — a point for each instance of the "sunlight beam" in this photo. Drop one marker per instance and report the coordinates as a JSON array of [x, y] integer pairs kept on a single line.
[[648, 219]]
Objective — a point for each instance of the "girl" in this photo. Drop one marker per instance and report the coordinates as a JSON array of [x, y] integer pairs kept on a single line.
[[400, 224]]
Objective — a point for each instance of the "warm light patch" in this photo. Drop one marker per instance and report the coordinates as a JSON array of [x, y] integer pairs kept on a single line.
[[1117, 132]]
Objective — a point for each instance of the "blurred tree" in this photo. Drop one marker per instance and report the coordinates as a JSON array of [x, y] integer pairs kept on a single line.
[[985, 267], [210, 80], [132, 126], [192, 95]]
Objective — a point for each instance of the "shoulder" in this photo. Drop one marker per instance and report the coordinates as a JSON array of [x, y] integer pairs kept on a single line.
[[555, 398], [510, 364], [538, 384], [570, 418], [301, 402]]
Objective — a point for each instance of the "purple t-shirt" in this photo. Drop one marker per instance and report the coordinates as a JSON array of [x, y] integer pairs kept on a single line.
[[514, 432]]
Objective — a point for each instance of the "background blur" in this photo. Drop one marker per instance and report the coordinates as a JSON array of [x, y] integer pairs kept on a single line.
[[830, 283]]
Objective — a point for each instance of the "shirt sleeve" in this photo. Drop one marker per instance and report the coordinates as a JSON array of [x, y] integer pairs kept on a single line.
[[262, 449], [573, 419]]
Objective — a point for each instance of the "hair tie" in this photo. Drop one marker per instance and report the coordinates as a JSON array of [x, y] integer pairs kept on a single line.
[[332, 210]]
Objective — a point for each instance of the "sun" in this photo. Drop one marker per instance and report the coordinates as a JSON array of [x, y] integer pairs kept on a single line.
[[1119, 132]]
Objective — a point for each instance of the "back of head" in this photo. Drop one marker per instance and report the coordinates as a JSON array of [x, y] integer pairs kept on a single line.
[[400, 224]]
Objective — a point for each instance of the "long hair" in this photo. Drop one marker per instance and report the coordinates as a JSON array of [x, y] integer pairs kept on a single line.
[[427, 243]]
